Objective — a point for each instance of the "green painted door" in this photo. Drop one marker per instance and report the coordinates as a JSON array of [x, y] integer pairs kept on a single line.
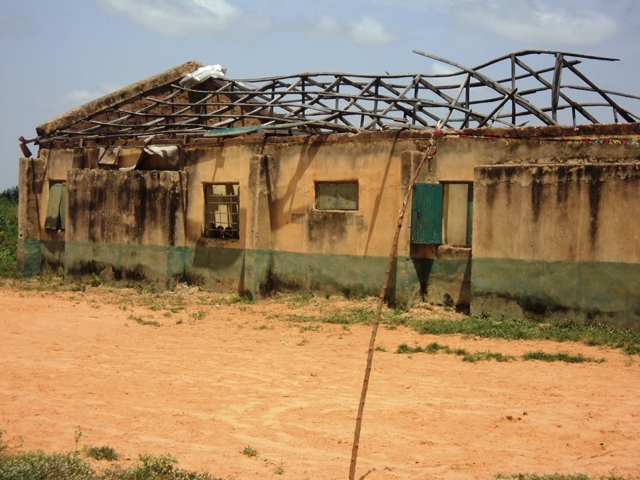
[[426, 214]]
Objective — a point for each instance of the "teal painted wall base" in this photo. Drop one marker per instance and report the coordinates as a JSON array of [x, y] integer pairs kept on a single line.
[[156, 264], [581, 291], [29, 257], [254, 272]]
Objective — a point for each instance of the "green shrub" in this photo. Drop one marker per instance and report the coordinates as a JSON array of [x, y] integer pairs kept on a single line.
[[38, 465], [8, 231], [101, 453]]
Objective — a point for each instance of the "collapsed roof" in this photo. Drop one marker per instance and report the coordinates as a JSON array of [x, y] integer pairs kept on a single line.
[[324, 102]]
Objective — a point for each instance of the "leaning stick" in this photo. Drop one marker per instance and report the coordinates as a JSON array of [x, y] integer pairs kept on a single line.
[[374, 330]]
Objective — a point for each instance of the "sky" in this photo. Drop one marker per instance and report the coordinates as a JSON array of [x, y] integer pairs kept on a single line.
[[58, 54]]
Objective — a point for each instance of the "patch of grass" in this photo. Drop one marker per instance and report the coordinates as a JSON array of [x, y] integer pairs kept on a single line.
[[435, 347], [299, 299], [142, 321], [279, 470], [95, 280], [249, 451], [432, 349], [199, 315], [485, 356], [101, 453], [560, 357], [310, 328], [518, 329], [263, 327], [404, 348], [355, 315], [380, 348], [241, 299], [302, 342], [162, 464]]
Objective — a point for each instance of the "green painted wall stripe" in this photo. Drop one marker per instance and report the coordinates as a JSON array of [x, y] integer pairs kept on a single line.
[[585, 286], [29, 257], [261, 271]]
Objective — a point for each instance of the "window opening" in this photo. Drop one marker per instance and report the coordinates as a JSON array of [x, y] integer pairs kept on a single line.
[[457, 213], [56, 206], [336, 195], [222, 211]]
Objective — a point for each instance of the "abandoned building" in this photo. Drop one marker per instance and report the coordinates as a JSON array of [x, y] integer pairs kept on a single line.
[[527, 204]]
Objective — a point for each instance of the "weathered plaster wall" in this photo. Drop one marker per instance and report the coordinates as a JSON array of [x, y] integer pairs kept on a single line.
[[559, 241], [125, 225], [287, 243], [284, 242]]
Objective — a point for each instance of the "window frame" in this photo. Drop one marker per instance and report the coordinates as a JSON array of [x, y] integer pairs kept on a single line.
[[335, 184], [214, 225], [468, 213]]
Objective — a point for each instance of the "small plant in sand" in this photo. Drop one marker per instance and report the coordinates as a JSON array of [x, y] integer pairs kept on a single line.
[[78, 434], [279, 470], [101, 453], [249, 451], [142, 321]]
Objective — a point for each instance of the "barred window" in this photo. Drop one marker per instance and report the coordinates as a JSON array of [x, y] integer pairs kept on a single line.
[[222, 210], [337, 196]]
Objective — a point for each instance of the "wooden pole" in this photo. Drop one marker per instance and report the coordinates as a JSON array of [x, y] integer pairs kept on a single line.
[[374, 330]]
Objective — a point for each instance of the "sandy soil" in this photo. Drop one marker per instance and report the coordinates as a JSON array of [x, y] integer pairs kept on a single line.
[[235, 375]]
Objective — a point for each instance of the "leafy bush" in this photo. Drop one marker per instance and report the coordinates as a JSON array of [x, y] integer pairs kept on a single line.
[[42, 466], [101, 453], [38, 465], [8, 231]]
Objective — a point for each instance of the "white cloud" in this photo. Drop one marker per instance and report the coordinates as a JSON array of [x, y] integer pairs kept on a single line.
[[328, 27], [75, 98], [177, 17], [369, 31], [537, 22], [366, 31], [442, 69], [108, 87]]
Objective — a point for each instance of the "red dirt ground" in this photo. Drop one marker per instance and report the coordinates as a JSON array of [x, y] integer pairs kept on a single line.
[[204, 389]]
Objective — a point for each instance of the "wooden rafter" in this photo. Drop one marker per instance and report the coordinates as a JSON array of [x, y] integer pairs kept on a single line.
[[324, 101]]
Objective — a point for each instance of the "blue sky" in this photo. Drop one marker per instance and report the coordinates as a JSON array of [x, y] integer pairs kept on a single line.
[[58, 54]]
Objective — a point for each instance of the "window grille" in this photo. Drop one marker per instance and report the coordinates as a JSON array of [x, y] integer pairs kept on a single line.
[[222, 211]]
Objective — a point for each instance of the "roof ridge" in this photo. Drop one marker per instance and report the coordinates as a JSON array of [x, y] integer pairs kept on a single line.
[[119, 96]]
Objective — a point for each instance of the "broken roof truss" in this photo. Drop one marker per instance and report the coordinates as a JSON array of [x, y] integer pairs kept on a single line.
[[323, 102]]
